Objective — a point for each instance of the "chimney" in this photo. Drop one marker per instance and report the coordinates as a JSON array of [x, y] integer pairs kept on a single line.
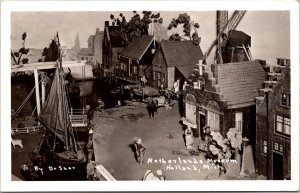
[[106, 23], [97, 30]]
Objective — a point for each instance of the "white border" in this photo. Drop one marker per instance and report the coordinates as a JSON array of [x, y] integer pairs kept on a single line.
[[9, 6]]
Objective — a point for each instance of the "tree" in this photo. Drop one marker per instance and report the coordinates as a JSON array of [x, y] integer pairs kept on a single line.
[[17, 56], [188, 24], [221, 148], [137, 26]]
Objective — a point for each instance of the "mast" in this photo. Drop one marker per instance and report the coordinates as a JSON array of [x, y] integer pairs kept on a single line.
[[61, 85]]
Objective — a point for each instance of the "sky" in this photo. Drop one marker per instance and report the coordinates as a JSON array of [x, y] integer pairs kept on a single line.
[[270, 30]]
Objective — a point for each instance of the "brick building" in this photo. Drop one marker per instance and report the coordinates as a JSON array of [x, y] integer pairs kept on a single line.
[[226, 99], [273, 120]]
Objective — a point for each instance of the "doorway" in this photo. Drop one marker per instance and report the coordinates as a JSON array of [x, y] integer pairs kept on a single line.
[[202, 123], [277, 166]]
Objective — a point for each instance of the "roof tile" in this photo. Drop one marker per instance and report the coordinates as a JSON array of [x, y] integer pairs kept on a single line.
[[137, 47], [181, 53], [240, 82]]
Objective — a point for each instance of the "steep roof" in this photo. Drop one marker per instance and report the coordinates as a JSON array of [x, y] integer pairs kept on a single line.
[[86, 52], [240, 82], [181, 53], [137, 48], [238, 38], [186, 70]]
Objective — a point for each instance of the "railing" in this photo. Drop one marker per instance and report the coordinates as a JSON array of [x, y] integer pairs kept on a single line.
[[78, 117], [124, 76]]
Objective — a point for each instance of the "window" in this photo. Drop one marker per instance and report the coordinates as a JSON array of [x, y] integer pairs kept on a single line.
[[278, 147], [87, 58], [135, 69], [279, 124], [281, 148], [239, 121], [158, 75], [286, 99], [125, 67], [265, 147], [283, 125], [153, 75], [163, 77], [82, 58], [283, 99], [122, 66], [287, 126], [213, 120]]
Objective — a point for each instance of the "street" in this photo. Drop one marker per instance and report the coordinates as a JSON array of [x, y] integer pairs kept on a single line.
[[113, 133]]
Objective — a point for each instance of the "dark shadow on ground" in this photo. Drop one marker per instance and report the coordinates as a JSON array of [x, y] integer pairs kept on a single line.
[[132, 116]]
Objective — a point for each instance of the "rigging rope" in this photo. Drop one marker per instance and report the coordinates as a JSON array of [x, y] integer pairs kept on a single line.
[[23, 103]]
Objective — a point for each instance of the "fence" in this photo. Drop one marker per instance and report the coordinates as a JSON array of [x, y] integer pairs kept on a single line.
[[78, 117]]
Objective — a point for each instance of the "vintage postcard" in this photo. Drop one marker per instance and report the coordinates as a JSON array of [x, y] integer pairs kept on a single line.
[[99, 95]]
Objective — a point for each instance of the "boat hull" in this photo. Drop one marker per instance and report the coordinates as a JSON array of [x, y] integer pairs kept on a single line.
[[65, 157]]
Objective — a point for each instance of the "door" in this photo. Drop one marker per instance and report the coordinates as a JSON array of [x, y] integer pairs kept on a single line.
[[202, 123], [277, 166]]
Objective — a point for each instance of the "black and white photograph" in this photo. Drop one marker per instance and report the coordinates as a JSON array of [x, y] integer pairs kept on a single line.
[[200, 95]]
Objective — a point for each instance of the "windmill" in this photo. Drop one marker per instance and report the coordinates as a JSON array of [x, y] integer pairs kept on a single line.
[[224, 29]]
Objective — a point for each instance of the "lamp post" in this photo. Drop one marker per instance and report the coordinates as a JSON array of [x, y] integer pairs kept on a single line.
[[242, 172]]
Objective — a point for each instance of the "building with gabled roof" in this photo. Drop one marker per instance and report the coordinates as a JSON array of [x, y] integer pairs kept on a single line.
[[273, 123], [174, 60], [225, 98], [135, 59]]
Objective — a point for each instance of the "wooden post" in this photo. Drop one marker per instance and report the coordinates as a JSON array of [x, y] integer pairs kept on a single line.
[[200, 67], [43, 94], [37, 91]]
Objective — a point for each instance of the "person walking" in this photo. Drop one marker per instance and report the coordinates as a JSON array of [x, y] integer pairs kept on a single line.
[[151, 107], [139, 150]]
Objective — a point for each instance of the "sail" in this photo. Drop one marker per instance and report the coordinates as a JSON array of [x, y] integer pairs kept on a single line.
[[54, 115]]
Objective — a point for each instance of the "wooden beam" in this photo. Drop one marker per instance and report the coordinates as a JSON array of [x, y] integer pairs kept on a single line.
[[46, 65], [43, 94], [37, 91]]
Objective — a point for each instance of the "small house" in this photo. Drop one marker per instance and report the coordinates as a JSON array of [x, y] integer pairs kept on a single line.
[[174, 60], [135, 58]]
